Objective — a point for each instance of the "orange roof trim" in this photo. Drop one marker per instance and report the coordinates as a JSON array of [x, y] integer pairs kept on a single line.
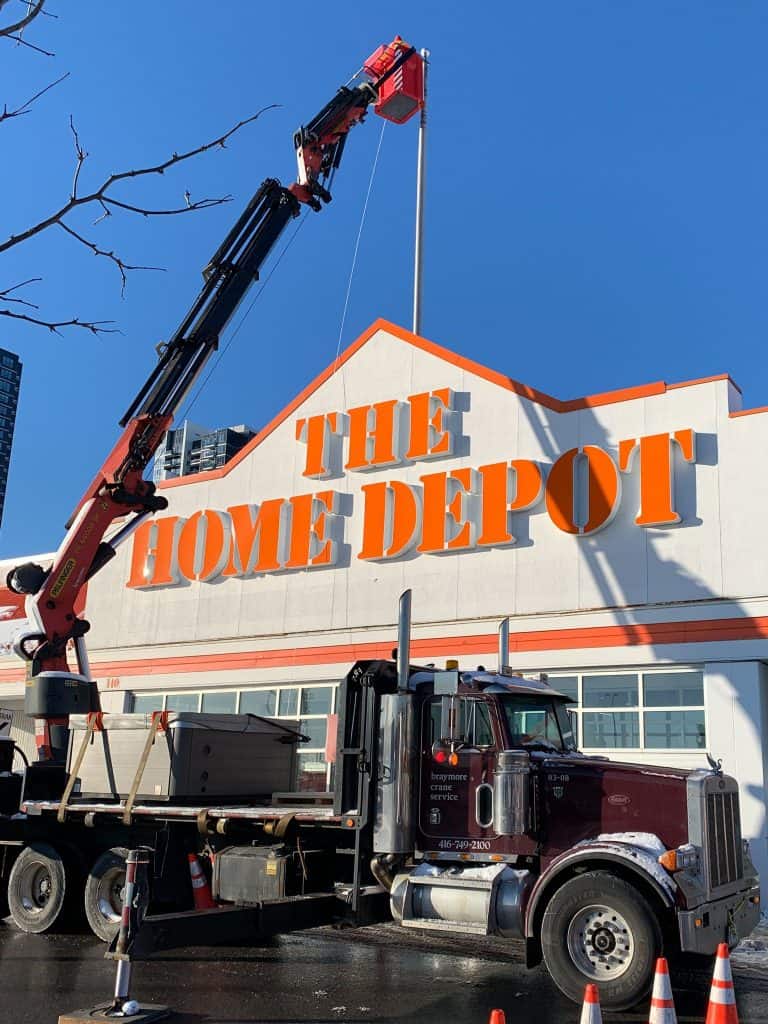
[[532, 394]]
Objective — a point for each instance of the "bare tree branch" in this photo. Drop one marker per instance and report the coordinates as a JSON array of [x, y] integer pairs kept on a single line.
[[25, 42], [94, 326], [121, 265], [189, 207], [7, 297], [34, 7], [81, 157], [100, 194], [25, 107]]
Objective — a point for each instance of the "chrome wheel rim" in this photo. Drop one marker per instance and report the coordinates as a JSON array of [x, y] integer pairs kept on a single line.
[[35, 887], [600, 942], [109, 894]]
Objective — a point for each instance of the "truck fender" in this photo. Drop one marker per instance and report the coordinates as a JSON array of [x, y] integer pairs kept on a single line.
[[633, 851]]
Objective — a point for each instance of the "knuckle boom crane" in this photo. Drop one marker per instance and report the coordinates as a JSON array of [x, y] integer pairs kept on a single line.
[[393, 82]]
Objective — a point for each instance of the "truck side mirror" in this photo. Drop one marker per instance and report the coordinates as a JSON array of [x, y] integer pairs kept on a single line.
[[450, 719]]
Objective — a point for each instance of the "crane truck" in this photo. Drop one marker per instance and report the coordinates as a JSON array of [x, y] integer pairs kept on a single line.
[[460, 802]]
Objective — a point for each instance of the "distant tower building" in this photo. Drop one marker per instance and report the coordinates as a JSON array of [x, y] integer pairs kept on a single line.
[[10, 380], [191, 448]]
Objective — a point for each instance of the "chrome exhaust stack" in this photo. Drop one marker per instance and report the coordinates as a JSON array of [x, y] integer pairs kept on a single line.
[[503, 645], [404, 641]]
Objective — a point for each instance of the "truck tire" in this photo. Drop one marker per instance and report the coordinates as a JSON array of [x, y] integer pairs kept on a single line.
[[598, 928], [37, 889], [103, 894]]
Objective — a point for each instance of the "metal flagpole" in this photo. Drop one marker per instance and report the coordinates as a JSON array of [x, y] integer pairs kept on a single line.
[[420, 173]]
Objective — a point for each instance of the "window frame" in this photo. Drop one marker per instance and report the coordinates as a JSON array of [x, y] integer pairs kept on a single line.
[[577, 709]]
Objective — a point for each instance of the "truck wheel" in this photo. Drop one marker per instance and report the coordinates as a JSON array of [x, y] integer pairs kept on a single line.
[[37, 889], [598, 928], [104, 890]]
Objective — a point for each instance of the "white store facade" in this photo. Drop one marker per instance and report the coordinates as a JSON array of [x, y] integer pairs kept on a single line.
[[623, 534]]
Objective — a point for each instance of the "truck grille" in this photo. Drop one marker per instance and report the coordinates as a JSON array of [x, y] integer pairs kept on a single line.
[[723, 832]]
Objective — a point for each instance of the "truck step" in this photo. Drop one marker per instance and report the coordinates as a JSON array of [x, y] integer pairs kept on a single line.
[[433, 925]]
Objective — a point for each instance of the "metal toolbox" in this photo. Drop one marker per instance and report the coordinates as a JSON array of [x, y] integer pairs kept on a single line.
[[196, 756]]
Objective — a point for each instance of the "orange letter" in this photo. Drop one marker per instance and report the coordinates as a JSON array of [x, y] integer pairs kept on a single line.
[[449, 521], [657, 473], [316, 432], [203, 545], [430, 436], [153, 556], [495, 497], [603, 490], [391, 519], [373, 431], [256, 541], [310, 544]]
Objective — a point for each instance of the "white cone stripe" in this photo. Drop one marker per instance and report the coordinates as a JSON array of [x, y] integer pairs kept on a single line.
[[590, 1014], [722, 969], [665, 1016], [722, 996]]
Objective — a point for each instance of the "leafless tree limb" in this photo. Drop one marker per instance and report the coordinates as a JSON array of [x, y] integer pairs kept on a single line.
[[7, 114], [100, 195], [8, 297], [34, 7], [121, 265], [81, 157], [25, 42], [94, 326]]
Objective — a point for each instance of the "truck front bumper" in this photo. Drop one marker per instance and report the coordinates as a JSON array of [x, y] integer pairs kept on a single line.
[[726, 920]]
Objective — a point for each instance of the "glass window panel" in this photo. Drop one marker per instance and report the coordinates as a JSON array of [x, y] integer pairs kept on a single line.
[[289, 702], [614, 691], [569, 685], [311, 773], [220, 703], [316, 729], [147, 702], [610, 729], [479, 728], [316, 700], [670, 729], [258, 702], [673, 689], [183, 701]]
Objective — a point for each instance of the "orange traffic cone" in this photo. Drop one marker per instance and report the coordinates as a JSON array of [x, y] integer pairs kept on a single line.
[[722, 1001], [662, 1004], [201, 890], [497, 1017], [590, 1010]]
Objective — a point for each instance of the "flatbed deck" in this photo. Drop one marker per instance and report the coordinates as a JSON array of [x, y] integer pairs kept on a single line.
[[309, 813]]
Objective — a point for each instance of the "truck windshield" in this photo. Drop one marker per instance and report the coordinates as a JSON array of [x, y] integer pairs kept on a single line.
[[537, 723]]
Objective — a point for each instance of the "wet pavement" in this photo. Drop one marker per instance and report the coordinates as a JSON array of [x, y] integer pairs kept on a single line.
[[382, 975]]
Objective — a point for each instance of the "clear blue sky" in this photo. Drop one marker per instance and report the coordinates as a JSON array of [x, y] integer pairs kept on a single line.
[[597, 214]]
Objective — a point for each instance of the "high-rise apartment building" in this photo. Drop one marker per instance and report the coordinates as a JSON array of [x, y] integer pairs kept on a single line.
[[10, 381], [191, 448]]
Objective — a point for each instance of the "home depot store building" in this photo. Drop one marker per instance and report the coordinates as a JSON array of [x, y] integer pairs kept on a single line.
[[622, 533]]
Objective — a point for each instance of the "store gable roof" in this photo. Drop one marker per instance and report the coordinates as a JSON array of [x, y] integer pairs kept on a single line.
[[493, 376]]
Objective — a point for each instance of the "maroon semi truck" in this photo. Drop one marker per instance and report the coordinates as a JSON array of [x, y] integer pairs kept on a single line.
[[461, 805]]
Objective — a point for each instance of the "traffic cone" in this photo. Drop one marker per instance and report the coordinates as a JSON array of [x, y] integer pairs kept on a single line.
[[497, 1017], [722, 1001], [662, 1004], [201, 890], [590, 1010]]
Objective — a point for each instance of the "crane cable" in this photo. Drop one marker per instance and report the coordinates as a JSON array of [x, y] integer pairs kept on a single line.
[[357, 245]]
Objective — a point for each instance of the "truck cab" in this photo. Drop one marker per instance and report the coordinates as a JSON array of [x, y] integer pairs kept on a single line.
[[486, 819]]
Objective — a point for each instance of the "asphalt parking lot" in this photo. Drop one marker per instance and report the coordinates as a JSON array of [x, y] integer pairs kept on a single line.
[[377, 974]]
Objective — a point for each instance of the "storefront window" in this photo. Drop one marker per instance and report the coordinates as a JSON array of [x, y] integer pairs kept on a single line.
[[289, 703], [258, 702], [146, 703], [219, 703], [316, 700], [665, 709], [182, 702]]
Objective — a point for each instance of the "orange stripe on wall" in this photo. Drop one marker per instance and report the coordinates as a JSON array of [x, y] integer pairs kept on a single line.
[[638, 635]]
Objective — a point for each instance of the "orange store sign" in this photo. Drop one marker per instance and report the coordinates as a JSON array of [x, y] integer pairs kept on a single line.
[[448, 510]]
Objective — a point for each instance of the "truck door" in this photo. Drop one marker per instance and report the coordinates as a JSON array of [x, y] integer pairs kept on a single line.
[[456, 800]]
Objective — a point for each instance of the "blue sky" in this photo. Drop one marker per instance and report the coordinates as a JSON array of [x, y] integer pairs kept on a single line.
[[596, 215]]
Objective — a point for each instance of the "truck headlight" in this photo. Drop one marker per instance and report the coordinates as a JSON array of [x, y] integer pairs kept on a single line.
[[684, 858]]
